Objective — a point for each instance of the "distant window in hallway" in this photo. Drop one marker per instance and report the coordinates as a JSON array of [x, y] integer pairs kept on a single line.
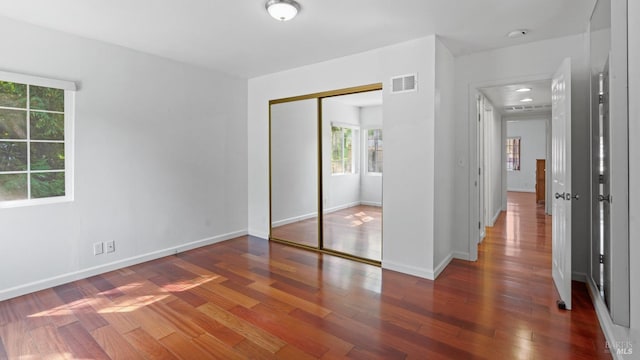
[[513, 154]]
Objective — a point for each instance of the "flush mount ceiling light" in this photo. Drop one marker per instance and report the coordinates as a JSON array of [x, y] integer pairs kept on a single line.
[[527, 100], [524, 89], [517, 33], [282, 10]]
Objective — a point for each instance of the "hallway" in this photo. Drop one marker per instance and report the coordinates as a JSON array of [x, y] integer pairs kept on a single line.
[[510, 289]]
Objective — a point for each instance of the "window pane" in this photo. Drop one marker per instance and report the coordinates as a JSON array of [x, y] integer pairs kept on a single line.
[[47, 156], [13, 156], [47, 126], [513, 154], [374, 150], [348, 150], [44, 98], [336, 150], [47, 185], [13, 187], [13, 95], [13, 124]]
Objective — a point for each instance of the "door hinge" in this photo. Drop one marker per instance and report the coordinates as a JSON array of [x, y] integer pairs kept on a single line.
[[478, 224], [479, 116], [601, 178], [601, 99], [601, 259]]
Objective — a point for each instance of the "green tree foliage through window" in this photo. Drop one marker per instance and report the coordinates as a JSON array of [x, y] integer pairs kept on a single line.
[[374, 151], [32, 149], [342, 150]]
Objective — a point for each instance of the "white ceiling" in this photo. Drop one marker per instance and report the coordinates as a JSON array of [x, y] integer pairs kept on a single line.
[[240, 38], [507, 100]]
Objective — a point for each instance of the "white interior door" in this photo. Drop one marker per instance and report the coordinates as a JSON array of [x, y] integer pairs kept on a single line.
[[561, 173]]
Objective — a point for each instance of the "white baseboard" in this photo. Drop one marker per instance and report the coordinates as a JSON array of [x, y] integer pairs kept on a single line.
[[259, 234], [461, 255], [371, 203], [443, 264], [495, 217], [618, 337], [118, 264], [522, 190], [410, 270], [341, 207], [579, 276], [294, 219]]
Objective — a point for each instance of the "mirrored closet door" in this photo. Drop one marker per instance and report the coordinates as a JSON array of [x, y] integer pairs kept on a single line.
[[294, 172], [326, 157], [352, 151]]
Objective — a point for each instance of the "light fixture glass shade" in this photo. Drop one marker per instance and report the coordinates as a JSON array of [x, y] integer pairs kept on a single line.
[[282, 10]]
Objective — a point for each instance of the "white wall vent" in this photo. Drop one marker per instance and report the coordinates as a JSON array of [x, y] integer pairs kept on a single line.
[[404, 83]]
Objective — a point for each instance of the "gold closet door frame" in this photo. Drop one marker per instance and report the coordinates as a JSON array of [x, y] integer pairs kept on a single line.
[[319, 96]]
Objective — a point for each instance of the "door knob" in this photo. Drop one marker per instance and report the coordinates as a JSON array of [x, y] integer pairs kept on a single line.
[[604, 198], [560, 196], [575, 196]]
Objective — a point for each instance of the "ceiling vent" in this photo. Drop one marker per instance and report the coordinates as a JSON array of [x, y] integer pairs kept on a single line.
[[523, 108], [404, 83]]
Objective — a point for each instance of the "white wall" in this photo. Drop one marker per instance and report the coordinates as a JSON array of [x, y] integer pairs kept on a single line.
[[533, 142], [409, 137], [340, 191], [294, 161], [370, 185], [503, 66], [445, 161], [160, 161]]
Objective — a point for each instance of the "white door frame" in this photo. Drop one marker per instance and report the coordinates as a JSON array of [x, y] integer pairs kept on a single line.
[[474, 178]]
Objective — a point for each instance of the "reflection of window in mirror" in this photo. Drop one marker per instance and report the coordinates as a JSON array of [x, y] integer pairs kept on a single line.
[[343, 157], [374, 151]]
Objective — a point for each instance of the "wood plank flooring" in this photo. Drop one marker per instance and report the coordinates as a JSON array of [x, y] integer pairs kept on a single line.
[[250, 299]]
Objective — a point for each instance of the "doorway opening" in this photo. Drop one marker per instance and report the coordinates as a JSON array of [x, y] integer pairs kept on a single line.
[[560, 154], [513, 146]]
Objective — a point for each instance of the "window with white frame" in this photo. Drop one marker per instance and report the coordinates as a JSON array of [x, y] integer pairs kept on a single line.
[[36, 118], [513, 154], [374, 151], [342, 150]]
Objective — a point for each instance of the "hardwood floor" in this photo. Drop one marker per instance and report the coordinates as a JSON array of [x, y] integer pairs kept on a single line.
[[356, 230], [248, 298]]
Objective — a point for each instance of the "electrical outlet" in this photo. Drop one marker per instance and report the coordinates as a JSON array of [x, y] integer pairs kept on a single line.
[[97, 248], [111, 246]]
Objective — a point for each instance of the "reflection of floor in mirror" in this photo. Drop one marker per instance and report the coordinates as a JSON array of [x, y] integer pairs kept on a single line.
[[356, 230], [301, 232]]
